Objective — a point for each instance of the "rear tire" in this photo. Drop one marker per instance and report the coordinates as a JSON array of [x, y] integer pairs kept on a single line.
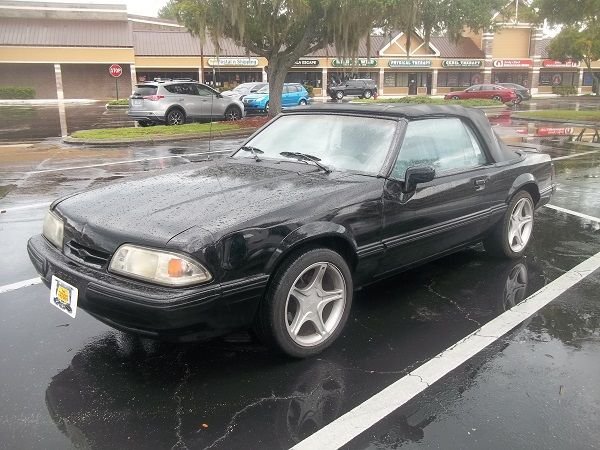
[[145, 123], [510, 236], [294, 316], [175, 116], [497, 98]]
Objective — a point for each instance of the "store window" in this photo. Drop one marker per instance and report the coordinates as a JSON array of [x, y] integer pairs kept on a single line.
[[230, 79], [314, 78], [559, 78], [521, 78], [459, 79], [402, 79], [588, 79], [340, 77]]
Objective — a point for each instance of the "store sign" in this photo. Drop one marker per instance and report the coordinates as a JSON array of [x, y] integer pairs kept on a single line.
[[352, 62], [512, 63], [233, 62], [553, 63], [306, 63], [409, 63], [551, 131], [459, 63]]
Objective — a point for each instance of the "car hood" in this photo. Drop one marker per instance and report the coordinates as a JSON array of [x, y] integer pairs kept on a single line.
[[216, 197]]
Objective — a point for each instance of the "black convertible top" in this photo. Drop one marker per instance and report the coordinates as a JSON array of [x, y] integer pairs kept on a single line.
[[477, 118]]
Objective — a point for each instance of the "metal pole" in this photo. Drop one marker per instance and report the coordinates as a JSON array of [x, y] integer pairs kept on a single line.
[[117, 87]]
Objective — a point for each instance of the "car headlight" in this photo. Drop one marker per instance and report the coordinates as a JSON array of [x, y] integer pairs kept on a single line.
[[158, 266], [54, 228]]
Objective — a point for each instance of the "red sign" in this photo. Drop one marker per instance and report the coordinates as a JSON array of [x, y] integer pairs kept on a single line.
[[554, 63], [554, 131], [115, 70], [512, 63]]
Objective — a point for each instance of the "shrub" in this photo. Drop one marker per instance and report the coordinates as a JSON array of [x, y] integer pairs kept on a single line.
[[564, 90], [15, 92]]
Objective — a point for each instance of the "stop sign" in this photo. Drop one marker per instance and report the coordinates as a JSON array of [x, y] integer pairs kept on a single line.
[[115, 70]]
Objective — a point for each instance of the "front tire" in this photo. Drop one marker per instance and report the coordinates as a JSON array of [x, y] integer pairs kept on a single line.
[[233, 113], [497, 98], [455, 97], [512, 234], [306, 304], [339, 95], [367, 94], [302, 102]]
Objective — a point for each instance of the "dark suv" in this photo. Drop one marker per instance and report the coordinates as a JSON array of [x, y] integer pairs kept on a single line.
[[363, 88]]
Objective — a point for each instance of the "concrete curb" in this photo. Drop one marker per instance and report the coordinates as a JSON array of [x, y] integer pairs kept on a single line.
[[244, 132], [107, 106]]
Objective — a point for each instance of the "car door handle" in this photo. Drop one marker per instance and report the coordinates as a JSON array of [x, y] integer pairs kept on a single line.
[[180, 99], [480, 183]]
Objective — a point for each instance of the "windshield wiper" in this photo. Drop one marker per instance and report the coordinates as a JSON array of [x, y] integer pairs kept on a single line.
[[255, 151], [306, 157]]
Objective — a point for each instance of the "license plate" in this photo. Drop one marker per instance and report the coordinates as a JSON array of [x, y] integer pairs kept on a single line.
[[137, 102], [64, 296]]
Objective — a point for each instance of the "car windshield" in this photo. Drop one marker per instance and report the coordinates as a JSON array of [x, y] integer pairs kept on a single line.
[[263, 90], [340, 142]]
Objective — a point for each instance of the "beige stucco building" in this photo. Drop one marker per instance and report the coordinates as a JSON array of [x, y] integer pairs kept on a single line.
[[64, 50]]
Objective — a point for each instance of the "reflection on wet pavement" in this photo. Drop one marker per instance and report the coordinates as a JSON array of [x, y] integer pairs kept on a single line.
[[116, 391]]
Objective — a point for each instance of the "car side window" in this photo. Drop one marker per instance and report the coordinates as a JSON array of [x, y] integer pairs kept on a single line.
[[445, 144], [189, 89], [474, 88], [174, 89], [203, 91]]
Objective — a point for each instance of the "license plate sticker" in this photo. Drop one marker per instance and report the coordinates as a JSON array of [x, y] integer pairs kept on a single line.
[[64, 296]]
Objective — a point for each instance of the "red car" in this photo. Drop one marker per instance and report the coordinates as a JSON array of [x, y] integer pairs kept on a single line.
[[492, 91]]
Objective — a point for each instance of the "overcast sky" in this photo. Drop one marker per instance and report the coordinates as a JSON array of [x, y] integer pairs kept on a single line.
[[142, 7]]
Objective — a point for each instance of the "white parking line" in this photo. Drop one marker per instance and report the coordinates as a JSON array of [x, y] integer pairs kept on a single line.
[[13, 287], [371, 411], [127, 161], [573, 213]]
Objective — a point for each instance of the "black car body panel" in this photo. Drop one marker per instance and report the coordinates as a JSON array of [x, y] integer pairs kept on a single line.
[[241, 218]]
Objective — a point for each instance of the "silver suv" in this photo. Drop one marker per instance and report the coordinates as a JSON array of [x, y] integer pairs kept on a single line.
[[176, 102]]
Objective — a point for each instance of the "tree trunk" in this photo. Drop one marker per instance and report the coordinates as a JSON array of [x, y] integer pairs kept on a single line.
[[276, 73]]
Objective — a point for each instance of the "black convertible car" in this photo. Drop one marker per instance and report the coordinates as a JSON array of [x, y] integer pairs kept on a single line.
[[320, 201]]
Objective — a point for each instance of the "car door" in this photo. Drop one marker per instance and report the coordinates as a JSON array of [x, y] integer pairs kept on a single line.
[[286, 99], [445, 213], [212, 106], [472, 92], [191, 102]]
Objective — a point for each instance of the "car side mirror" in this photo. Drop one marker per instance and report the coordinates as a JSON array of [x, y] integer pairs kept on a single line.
[[417, 175], [219, 95]]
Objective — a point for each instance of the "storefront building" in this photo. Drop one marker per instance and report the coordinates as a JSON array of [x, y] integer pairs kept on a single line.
[[68, 56]]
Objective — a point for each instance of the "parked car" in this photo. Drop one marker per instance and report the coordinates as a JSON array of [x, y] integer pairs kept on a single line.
[[361, 88], [522, 92], [489, 91], [293, 94], [175, 102], [320, 201], [241, 90]]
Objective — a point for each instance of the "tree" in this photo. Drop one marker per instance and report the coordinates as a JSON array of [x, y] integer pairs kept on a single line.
[[169, 11], [284, 30], [579, 40]]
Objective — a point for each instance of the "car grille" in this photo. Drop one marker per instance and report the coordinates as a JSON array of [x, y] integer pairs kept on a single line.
[[87, 255]]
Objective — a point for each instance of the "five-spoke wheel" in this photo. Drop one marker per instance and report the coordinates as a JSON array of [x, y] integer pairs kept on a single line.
[[511, 235], [307, 302]]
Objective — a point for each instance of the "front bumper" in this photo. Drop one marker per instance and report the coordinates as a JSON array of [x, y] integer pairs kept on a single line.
[[174, 314]]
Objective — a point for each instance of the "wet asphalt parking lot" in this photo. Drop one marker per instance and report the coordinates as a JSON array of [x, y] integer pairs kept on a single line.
[[527, 378]]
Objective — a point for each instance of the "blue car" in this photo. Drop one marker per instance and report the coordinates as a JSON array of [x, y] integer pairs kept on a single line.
[[293, 94]]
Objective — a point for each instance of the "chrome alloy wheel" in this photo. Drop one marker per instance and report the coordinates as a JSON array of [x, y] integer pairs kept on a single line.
[[175, 118], [521, 225], [315, 304]]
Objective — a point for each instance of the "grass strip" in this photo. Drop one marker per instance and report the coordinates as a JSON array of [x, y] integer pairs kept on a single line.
[[422, 100], [561, 114], [155, 131]]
